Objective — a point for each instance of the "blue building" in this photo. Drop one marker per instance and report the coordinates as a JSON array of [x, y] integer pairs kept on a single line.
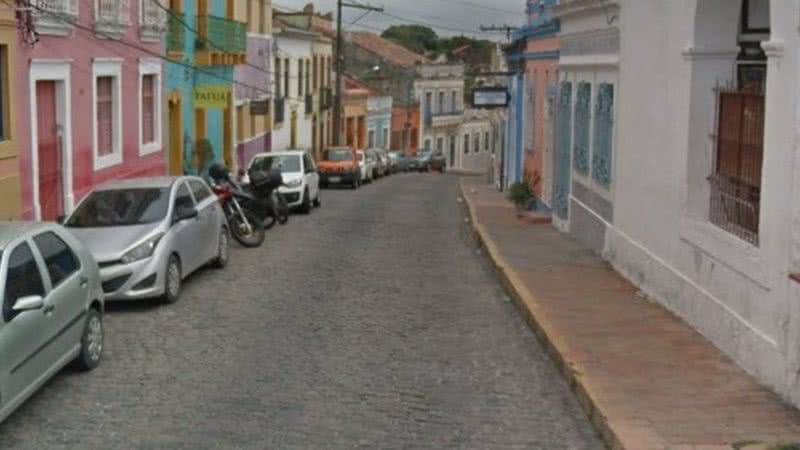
[[206, 39], [379, 122]]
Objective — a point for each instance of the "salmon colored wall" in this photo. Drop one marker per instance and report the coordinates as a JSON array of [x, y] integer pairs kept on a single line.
[[399, 118], [80, 49], [544, 71]]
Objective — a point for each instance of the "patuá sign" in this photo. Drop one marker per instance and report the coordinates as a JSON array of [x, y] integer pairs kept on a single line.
[[212, 97]]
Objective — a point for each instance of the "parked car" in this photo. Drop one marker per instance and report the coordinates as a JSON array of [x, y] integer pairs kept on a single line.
[[428, 160], [300, 178], [377, 163], [399, 161], [384, 164], [52, 308], [339, 165], [148, 234], [367, 166], [415, 163]]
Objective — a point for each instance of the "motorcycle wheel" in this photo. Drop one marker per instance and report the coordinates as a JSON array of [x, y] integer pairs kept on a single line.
[[253, 237], [283, 210]]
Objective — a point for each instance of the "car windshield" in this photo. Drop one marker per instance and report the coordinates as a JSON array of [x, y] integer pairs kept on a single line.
[[284, 163], [339, 155], [121, 207]]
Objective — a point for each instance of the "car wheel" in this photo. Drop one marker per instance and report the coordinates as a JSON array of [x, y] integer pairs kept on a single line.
[[305, 208], [172, 280], [318, 200], [223, 250], [91, 341]]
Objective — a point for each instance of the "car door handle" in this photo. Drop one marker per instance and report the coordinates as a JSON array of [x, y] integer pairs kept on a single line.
[[84, 282], [49, 308]]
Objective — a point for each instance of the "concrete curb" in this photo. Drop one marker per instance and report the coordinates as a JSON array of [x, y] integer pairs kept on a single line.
[[553, 343]]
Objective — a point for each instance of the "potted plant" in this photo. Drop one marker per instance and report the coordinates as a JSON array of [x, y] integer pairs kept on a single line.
[[520, 195]]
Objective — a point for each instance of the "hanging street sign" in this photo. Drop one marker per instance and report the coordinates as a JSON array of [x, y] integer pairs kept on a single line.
[[490, 97]]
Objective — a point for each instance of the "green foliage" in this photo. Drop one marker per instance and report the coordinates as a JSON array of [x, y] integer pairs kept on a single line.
[[520, 194], [416, 38]]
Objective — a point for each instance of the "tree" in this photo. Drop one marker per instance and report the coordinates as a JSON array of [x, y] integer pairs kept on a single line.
[[417, 38]]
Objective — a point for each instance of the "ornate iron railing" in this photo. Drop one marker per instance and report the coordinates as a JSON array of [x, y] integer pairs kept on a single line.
[[220, 34], [176, 33]]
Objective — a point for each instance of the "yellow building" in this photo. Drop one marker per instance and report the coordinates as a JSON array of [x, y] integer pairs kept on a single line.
[[10, 190]]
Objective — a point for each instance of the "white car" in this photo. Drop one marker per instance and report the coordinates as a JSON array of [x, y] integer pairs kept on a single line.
[[367, 166], [300, 178]]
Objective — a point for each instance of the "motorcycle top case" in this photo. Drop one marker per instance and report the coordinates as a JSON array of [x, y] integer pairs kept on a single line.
[[266, 179]]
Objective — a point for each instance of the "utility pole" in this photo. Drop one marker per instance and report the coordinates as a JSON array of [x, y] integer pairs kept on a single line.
[[337, 110], [507, 28]]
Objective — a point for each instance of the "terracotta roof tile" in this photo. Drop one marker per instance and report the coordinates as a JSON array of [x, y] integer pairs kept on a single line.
[[386, 49]]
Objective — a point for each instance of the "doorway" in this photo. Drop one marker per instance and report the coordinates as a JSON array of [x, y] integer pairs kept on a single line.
[[175, 136], [293, 131], [50, 152]]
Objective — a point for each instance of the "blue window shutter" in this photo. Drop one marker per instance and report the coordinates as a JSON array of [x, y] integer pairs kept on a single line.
[[603, 135], [583, 117]]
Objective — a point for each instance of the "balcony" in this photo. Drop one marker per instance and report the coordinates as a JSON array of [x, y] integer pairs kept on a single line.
[[53, 16], [220, 42], [176, 35], [112, 17], [152, 22], [447, 118]]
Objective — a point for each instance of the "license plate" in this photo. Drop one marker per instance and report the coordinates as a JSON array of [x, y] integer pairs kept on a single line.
[[335, 179]]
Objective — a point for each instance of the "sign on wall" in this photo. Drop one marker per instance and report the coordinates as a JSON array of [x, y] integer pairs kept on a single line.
[[259, 107], [490, 97], [212, 96]]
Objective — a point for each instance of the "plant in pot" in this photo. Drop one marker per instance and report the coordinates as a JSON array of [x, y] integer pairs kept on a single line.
[[520, 195]]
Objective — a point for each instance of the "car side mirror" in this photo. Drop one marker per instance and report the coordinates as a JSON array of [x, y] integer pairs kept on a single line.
[[28, 303], [186, 214]]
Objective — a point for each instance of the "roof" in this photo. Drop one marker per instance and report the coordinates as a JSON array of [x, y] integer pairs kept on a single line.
[[13, 229], [385, 48], [135, 183]]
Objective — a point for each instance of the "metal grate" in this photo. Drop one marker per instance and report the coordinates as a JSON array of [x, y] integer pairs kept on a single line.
[[736, 179]]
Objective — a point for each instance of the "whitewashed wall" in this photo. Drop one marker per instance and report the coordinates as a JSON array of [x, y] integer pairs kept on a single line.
[[294, 49]]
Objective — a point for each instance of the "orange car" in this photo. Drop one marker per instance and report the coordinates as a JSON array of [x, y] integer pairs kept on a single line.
[[339, 165]]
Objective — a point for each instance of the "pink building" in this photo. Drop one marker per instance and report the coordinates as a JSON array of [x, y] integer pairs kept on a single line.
[[89, 101], [536, 53]]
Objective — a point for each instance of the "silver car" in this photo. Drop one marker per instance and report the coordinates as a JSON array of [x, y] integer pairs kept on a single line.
[[148, 234], [52, 308]]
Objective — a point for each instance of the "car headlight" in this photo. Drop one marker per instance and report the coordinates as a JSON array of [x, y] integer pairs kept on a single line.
[[142, 251], [294, 183]]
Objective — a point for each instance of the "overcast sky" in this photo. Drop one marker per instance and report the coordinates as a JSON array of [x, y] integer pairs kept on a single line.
[[449, 17]]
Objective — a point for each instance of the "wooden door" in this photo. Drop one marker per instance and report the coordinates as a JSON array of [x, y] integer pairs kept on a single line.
[[51, 183], [293, 131]]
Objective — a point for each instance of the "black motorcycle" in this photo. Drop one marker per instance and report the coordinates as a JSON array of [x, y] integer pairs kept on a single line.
[[245, 223], [264, 186]]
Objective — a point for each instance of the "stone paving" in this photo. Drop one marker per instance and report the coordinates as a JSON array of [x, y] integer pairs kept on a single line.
[[372, 323]]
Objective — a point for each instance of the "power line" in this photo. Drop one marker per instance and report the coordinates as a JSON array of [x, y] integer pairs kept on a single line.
[[478, 5], [429, 25]]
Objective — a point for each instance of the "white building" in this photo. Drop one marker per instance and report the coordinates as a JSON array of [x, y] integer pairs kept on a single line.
[[293, 112], [477, 142], [439, 88], [706, 178]]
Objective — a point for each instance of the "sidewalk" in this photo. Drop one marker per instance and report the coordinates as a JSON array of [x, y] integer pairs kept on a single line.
[[646, 378]]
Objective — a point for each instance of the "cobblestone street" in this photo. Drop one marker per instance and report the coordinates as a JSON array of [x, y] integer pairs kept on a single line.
[[371, 323]]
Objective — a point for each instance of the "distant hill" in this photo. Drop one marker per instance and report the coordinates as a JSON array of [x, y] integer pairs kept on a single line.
[[474, 53]]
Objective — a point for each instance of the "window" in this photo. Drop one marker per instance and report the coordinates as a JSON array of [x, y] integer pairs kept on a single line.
[[581, 151], [240, 136], [22, 279], [486, 140], [385, 142], [152, 21], [199, 190], [61, 262], [5, 111], [439, 145], [466, 144], [262, 16], [308, 163], [278, 84], [286, 90], [107, 113], [308, 76], [316, 73], [371, 139], [427, 144], [300, 78], [441, 102], [111, 16], [150, 106], [477, 142], [183, 200], [454, 101]]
